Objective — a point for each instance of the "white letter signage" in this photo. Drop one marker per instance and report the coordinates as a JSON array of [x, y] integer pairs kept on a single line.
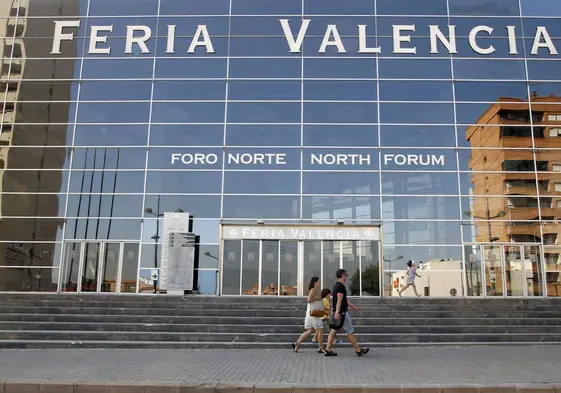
[[59, 36], [279, 232], [139, 35]]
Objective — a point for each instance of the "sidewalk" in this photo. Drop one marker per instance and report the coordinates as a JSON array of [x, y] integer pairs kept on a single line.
[[209, 370]]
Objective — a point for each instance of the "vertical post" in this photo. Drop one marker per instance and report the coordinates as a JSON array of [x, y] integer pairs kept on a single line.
[[156, 238], [360, 267]]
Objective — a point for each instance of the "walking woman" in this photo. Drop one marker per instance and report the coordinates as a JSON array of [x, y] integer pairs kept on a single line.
[[411, 274], [314, 315]]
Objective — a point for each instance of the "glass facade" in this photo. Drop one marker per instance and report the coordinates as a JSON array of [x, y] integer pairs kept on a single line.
[[438, 123]]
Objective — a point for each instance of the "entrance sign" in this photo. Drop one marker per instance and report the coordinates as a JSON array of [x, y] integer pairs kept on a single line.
[[414, 159], [314, 159], [178, 254], [279, 232], [138, 35], [340, 159]]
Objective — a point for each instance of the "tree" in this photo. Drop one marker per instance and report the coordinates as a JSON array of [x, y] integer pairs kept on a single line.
[[370, 281]]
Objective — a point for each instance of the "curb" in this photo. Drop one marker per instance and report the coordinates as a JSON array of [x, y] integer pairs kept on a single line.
[[51, 386]]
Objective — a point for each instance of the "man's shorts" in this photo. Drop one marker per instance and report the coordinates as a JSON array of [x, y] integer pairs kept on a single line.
[[347, 326]]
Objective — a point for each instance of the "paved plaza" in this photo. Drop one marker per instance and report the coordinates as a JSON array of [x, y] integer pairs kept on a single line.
[[495, 365]]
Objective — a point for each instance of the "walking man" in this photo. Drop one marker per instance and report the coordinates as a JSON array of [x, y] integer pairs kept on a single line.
[[341, 320]]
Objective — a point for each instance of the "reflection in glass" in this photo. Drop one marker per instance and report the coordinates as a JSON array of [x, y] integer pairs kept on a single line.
[[514, 268], [90, 270], [260, 207], [474, 275], [231, 267], [208, 256], [129, 270], [421, 232], [484, 7], [533, 270], [421, 207], [370, 268], [270, 267], [339, 68], [552, 260], [207, 282], [289, 268], [341, 208], [493, 271], [341, 135], [351, 263], [312, 264], [14, 279], [112, 229], [245, 182], [341, 183], [71, 267], [250, 267], [110, 266], [146, 284], [331, 262]]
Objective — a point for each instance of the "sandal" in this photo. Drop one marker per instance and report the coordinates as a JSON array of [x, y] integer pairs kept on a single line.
[[295, 347]]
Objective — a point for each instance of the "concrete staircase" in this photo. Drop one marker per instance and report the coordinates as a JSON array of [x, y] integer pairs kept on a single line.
[[100, 321]]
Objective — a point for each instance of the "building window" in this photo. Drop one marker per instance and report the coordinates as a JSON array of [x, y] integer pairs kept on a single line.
[[555, 132], [556, 168], [557, 187], [524, 165], [527, 184], [550, 238], [554, 117], [559, 204]]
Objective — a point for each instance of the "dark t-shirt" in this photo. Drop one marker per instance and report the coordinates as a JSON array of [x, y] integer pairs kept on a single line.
[[340, 288]]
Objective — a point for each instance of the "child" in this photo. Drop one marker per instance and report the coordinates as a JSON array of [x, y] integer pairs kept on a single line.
[[411, 274], [327, 311]]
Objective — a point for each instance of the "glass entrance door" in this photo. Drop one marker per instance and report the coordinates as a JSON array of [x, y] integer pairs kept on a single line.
[[100, 267], [285, 267], [512, 270]]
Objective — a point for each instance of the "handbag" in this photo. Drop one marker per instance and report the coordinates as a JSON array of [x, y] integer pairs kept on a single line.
[[337, 324], [316, 309]]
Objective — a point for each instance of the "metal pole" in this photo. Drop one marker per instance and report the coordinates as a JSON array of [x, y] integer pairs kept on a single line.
[[156, 238]]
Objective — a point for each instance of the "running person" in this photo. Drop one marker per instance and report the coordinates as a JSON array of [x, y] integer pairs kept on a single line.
[[411, 274], [341, 320]]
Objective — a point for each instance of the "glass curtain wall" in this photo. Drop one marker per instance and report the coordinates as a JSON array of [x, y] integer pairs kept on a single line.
[[245, 110]]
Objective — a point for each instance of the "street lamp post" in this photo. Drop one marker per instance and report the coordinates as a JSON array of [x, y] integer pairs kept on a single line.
[[156, 237], [208, 254], [389, 261]]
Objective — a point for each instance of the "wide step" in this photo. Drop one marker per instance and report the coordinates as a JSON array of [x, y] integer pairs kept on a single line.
[[102, 321]]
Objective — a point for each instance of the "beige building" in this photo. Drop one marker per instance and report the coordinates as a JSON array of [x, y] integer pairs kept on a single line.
[[30, 161], [439, 278], [510, 204]]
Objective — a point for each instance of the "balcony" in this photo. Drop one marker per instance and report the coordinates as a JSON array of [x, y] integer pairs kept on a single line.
[[522, 213], [15, 29], [13, 49], [18, 11], [530, 229]]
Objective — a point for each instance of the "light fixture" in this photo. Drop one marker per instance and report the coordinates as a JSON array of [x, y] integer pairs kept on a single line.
[[340, 222], [260, 222]]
